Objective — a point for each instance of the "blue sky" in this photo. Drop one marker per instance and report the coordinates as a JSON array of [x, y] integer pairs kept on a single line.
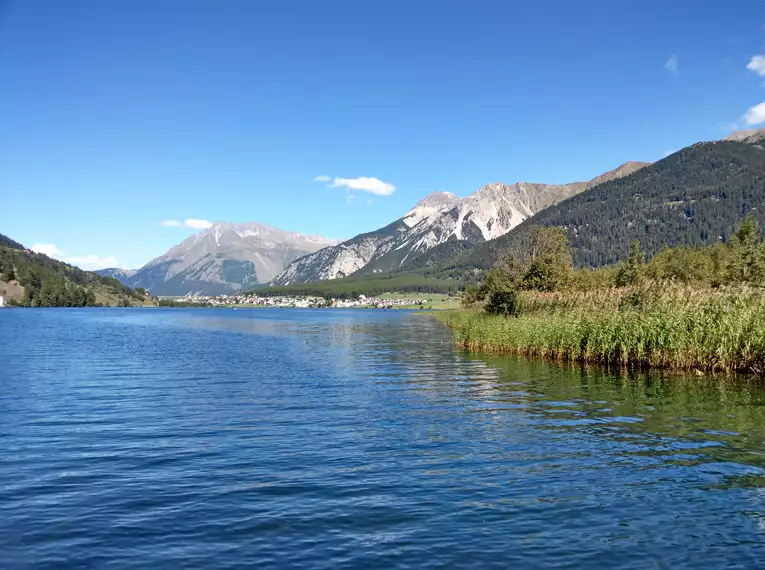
[[117, 116]]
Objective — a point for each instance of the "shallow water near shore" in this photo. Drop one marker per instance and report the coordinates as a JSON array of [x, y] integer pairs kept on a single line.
[[357, 439]]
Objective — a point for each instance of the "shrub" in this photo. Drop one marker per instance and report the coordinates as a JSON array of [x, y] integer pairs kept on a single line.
[[631, 271], [635, 301], [504, 303]]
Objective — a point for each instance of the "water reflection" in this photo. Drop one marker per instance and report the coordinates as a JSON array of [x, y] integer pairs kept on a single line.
[[358, 439], [673, 418]]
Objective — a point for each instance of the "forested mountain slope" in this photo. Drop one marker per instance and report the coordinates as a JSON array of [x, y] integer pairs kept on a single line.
[[5, 241], [34, 279], [442, 221], [695, 197]]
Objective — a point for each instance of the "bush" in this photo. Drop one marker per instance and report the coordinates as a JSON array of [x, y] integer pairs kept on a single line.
[[635, 301], [631, 271], [747, 261], [546, 273], [545, 266], [504, 303]]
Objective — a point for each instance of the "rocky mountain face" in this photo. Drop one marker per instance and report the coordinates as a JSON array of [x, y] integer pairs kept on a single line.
[[696, 196], [619, 172], [747, 136], [122, 275], [439, 218], [224, 258]]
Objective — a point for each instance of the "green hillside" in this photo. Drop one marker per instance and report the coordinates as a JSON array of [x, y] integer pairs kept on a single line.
[[36, 280], [5, 241], [693, 197], [351, 287]]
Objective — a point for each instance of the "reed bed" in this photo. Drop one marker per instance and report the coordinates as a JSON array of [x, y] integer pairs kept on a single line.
[[660, 326]]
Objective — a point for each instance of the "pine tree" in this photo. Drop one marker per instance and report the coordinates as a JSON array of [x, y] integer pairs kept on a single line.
[[631, 271], [747, 263]]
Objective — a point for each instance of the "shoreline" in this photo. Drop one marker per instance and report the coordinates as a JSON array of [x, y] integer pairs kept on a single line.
[[724, 336]]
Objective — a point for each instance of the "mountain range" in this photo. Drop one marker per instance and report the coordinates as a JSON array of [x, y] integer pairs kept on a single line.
[[224, 258], [697, 196], [693, 196], [227, 257], [488, 213]]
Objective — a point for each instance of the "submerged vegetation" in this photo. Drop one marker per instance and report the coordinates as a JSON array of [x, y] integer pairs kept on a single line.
[[689, 308]]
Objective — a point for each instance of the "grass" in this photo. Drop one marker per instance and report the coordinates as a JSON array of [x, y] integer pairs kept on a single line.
[[108, 298], [435, 301], [670, 327]]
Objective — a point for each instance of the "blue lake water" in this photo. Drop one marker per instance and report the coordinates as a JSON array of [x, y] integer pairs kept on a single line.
[[205, 438]]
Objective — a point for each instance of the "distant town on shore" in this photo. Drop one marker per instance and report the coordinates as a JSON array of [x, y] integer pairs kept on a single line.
[[313, 302]]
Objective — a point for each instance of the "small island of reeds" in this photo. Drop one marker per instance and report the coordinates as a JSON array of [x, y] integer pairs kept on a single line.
[[688, 308]]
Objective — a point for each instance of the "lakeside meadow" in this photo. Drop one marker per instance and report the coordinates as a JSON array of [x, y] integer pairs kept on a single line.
[[687, 308]]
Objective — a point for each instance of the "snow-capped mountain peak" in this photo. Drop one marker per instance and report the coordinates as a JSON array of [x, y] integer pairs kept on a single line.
[[487, 213], [428, 206]]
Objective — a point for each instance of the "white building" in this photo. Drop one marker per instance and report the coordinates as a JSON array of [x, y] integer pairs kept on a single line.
[[2, 301]]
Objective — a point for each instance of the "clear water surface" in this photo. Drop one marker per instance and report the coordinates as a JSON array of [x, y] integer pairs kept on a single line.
[[356, 439]]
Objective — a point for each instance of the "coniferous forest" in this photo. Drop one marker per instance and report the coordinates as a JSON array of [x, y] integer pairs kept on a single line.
[[695, 197], [47, 282]]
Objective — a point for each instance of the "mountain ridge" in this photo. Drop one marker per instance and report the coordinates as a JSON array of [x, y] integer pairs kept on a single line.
[[116, 273], [438, 218], [746, 136], [33, 279], [224, 258], [693, 197]]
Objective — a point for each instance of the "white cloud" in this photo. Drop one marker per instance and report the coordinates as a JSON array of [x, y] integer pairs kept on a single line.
[[85, 262], [188, 222], [46, 248], [365, 184], [197, 224], [757, 65], [361, 184], [673, 64], [755, 115], [349, 198], [93, 261]]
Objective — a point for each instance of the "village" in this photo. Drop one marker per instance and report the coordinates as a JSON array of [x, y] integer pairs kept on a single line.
[[307, 302]]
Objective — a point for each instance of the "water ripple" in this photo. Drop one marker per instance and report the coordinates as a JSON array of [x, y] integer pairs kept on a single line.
[[357, 439]]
